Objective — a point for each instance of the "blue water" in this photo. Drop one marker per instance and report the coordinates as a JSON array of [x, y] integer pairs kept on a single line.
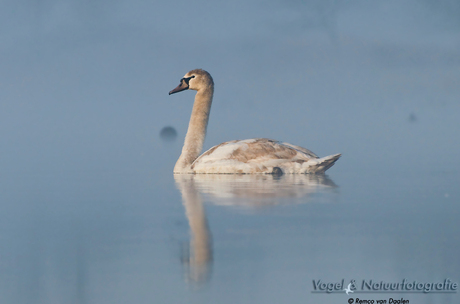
[[90, 209], [90, 237]]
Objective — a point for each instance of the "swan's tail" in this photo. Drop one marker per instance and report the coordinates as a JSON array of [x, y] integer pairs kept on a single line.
[[320, 165]]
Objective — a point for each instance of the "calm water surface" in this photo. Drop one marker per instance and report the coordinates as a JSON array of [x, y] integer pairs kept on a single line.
[[149, 236]]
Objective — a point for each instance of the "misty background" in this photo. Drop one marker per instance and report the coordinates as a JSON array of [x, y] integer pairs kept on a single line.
[[85, 82], [86, 177]]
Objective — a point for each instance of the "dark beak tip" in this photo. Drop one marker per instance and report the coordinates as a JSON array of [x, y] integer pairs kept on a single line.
[[181, 87]]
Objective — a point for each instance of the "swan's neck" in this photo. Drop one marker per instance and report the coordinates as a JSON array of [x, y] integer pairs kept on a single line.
[[196, 132]]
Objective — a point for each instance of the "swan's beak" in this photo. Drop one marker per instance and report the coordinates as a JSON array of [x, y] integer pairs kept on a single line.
[[181, 87]]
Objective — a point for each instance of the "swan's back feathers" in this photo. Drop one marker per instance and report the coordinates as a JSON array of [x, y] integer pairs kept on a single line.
[[302, 149], [259, 155]]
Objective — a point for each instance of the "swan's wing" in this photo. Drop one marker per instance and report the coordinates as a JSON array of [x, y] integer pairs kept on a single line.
[[301, 149], [258, 153]]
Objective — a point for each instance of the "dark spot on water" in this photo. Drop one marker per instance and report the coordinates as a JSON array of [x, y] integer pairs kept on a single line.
[[412, 117], [168, 134]]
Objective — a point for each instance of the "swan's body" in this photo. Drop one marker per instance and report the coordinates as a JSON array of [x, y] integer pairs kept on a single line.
[[248, 156]]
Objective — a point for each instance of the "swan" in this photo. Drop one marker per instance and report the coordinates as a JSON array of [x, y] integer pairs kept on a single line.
[[250, 156]]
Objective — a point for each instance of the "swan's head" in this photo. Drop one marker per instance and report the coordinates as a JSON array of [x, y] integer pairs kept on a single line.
[[195, 80]]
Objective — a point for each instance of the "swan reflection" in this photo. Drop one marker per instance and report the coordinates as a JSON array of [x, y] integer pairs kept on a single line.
[[200, 252], [235, 190]]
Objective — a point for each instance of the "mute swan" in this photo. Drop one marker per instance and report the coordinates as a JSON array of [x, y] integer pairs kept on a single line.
[[259, 155]]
